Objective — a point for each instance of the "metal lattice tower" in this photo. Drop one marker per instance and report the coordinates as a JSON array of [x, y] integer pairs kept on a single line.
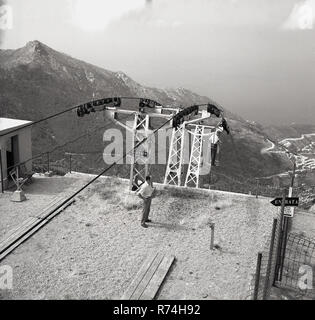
[[140, 158], [192, 177], [176, 118], [175, 161]]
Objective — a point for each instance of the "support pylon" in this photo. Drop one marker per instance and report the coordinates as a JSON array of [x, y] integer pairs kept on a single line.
[[140, 157], [175, 160], [193, 172]]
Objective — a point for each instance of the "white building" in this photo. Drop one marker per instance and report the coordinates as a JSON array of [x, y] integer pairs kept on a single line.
[[15, 147]]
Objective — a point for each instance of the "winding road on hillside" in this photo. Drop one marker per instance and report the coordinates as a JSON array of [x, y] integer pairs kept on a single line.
[[303, 162]]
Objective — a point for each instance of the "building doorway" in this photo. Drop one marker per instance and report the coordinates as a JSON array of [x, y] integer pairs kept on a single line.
[[12, 149]]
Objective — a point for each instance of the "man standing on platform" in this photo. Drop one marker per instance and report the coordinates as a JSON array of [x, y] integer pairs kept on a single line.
[[146, 193]]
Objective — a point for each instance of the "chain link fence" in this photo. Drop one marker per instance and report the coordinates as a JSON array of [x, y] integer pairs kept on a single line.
[[297, 272], [288, 262]]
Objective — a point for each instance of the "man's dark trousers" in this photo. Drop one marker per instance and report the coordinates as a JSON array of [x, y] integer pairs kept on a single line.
[[146, 209]]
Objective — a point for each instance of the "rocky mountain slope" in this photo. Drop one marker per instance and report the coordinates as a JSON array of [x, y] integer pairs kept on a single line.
[[37, 81]]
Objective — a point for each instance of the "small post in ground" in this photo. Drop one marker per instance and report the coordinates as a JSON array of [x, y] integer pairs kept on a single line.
[[257, 276], [48, 160], [256, 188], [269, 271], [48, 173], [212, 225]]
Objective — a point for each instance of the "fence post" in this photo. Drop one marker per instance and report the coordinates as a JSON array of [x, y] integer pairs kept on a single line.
[[284, 247], [290, 195], [48, 168], [17, 178], [70, 162], [256, 188], [285, 228], [257, 276], [1, 173], [212, 236], [280, 240], [267, 280], [293, 175]]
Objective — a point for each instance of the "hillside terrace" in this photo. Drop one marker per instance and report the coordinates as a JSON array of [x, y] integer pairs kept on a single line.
[[93, 249]]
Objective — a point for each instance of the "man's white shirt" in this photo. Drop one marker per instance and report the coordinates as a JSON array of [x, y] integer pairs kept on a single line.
[[146, 190]]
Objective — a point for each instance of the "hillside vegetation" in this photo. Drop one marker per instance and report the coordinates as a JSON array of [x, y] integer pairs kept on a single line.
[[37, 81]]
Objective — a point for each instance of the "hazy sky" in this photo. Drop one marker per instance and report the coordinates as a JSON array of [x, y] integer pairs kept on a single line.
[[255, 57]]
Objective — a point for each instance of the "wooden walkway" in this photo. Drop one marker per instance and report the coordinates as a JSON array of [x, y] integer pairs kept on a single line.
[[32, 225], [149, 278]]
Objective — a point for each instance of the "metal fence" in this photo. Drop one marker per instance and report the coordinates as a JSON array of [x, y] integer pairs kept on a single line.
[[62, 161], [267, 262], [298, 267], [288, 262]]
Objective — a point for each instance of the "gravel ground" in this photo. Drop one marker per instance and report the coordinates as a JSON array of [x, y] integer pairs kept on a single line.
[[93, 249], [39, 194]]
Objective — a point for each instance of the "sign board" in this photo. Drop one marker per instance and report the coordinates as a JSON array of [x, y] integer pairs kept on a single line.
[[289, 202], [288, 212]]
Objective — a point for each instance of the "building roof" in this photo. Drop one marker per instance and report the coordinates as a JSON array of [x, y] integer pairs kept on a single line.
[[7, 124]]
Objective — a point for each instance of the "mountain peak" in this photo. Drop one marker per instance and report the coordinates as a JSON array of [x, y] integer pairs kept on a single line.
[[36, 46], [34, 43]]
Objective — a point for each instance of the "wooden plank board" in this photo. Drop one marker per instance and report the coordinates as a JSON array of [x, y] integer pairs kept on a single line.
[[63, 207], [18, 231], [139, 276], [33, 228], [53, 203], [153, 287], [147, 277], [28, 222]]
